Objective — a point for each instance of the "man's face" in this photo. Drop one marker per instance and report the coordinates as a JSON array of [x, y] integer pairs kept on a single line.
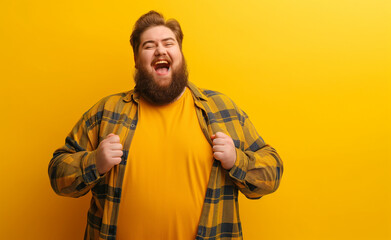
[[161, 72], [159, 54]]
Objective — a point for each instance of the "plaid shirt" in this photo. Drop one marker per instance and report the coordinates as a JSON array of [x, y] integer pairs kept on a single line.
[[257, 170]]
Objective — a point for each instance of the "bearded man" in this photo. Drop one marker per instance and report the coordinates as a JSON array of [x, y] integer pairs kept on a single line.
[[166, 159]]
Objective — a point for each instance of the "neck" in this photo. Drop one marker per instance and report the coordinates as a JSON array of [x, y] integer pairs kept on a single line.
[[180, 95]]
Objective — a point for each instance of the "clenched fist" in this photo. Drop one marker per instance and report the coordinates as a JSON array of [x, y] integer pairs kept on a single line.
[[224, 150], [108, 153]]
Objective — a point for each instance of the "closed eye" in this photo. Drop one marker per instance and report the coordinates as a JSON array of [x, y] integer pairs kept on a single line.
[[149, 46], [168, 42]]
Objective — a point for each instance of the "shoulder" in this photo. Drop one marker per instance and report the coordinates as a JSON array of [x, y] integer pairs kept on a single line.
[[219, 103], [220, 100], [109, 103], [116, 98], [213, 95], [209, 95]]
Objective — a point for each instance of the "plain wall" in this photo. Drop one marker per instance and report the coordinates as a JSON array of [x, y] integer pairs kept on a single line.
[[314, 77]]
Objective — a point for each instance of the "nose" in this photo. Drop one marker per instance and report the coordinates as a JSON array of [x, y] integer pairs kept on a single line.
[[160, 50]]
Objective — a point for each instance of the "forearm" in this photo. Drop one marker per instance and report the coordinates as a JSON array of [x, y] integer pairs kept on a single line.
[[257, 173], [258, 167], [72, 170], [73, 174]]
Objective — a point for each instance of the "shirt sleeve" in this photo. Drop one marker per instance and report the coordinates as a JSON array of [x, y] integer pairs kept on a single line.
[[72, 170], [258, 168]]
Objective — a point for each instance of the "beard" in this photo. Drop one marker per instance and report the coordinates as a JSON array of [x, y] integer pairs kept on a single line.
[[156, 94]]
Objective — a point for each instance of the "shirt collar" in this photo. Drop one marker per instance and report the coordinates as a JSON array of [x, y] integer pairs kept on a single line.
[[131, 96], [196, 91]]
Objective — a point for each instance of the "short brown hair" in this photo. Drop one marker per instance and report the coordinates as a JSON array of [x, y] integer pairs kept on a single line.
[[152, 19]]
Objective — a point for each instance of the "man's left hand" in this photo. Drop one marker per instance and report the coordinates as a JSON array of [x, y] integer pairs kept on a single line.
[[224, 149]]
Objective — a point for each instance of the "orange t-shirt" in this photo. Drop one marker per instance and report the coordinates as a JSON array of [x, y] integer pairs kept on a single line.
[[166, 175]]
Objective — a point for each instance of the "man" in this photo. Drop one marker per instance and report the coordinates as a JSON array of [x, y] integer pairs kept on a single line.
[[165, 160]]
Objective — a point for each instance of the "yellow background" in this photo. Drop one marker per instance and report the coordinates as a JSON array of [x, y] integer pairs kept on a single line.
[[314, 77]]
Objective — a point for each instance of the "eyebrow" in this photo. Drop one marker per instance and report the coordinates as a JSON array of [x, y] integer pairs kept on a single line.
[[163, 40]]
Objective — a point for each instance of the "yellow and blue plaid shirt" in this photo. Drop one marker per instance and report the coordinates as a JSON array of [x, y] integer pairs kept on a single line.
[[257, 170]]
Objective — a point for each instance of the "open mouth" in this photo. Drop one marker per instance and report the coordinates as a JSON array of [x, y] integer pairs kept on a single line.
[[162, 67]]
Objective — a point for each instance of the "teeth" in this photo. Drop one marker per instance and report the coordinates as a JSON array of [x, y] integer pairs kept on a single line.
[[161, 62]]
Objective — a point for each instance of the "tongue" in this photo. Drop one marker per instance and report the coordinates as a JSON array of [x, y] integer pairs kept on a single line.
[[162, 71]]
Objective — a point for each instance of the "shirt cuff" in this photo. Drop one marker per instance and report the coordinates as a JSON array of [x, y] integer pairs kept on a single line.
[[89, 171], [238, 171]]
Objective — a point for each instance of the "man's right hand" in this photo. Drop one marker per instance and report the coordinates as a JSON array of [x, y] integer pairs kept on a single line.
[[108, 153]]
